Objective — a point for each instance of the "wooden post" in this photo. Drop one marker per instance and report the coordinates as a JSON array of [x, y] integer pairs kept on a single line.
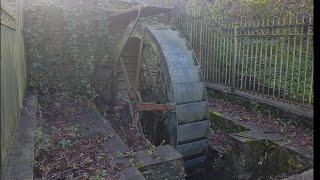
[[138, 72], [234, 63]]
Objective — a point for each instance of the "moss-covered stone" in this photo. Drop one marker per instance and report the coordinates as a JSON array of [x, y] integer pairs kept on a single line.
[[266, 109], [221, 124], [279, 160], [252, 159]]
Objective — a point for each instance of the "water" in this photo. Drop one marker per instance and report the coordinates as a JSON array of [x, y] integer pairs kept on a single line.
[[209, 173]]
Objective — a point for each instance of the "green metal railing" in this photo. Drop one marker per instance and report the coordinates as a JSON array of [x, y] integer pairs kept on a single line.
[[270, 59]]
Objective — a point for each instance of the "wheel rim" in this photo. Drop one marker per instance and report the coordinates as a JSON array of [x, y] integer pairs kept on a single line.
[[177, 79]]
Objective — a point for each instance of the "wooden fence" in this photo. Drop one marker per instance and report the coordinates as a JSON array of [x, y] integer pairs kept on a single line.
[[13, 69], [268, 60]]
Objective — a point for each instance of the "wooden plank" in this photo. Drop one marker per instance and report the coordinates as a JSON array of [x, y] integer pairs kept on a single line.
[[122, 42], [116, 14], [8, 18], [186, 75], [138, 68], [191, 112], [193, 131], [189, 92], [8, 25], [193, 148], [6, 9]]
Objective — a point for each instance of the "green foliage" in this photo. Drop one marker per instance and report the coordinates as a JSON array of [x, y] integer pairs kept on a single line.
[[101, 174], [262, 8], [278, 160], [285, 69], [275, 55], [43, 141], [62, 42], [65, 143], [223, 125]]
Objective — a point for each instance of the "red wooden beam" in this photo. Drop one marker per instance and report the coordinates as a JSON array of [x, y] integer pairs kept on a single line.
[[149, 106]]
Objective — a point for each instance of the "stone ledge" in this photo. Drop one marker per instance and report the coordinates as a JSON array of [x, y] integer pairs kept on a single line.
[[307, 175], [163, 162], [253, 131], [168, 165], [165, 153], [251, 156], [131, 173], [21, 159]]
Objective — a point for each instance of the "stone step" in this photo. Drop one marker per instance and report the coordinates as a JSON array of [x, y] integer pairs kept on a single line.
[[131, 173], [162, 162], [21, 157], [307, 175], [253, 131], [249, 156]]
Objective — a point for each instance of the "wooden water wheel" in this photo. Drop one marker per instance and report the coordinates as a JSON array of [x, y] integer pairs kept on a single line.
[[158, 75]]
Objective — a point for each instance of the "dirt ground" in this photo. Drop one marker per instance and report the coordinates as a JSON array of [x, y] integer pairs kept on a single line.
[[64, 148], [70, 145]]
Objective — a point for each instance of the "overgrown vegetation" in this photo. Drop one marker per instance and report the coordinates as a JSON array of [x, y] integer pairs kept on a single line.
[[274, 45], [65, 44], [62, 43], [257, 9]]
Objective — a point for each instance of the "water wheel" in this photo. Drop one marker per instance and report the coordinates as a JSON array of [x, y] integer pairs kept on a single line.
[[159, 75]]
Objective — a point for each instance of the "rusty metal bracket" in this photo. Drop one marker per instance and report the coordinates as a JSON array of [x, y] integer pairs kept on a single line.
[[145, 106]]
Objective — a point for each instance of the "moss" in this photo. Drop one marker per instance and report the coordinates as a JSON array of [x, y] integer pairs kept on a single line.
[[216, 114], [247, 103], [242, 158], [280, 160], [258, 159], [256, 106], [223, 125]]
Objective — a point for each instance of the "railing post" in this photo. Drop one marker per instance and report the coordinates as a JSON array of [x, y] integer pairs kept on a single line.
[[234, 62]]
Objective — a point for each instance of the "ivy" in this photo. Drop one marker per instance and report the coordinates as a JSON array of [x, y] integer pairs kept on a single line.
[[77, 32], [254, 9]]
